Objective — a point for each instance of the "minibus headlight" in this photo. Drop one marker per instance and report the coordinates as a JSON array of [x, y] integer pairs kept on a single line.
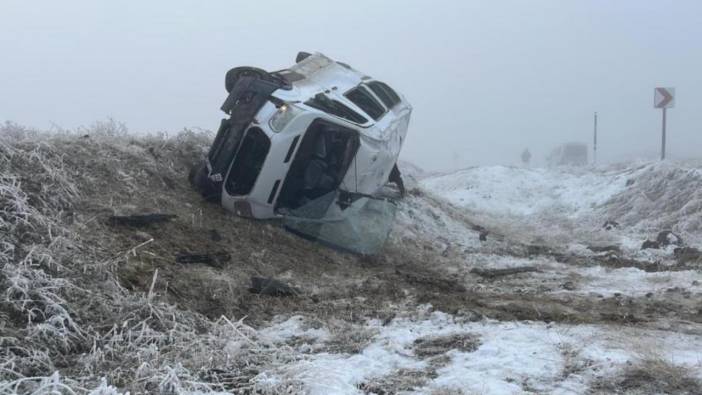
[[282, 117]]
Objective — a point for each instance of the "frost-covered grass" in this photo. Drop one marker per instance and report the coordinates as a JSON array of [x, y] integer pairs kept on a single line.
[[66, 323], [39, 321], [71, 322]]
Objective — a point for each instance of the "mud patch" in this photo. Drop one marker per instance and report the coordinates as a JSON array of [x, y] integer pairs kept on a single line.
[[398, 381], [349, 339], [431, 346], [617, 261], [651, 377]]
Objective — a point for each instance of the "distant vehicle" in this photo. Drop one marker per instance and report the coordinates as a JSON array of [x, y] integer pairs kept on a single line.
[[317, 129], [569, 154]]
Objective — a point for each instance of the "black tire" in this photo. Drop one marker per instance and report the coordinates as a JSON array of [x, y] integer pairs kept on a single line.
[[234, 74]]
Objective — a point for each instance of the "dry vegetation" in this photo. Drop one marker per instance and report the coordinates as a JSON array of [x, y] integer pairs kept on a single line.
[[651, 376], [68, 323], [86, 305]]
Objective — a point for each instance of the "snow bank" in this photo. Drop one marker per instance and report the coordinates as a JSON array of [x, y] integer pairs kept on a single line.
[[573, 203], [424, 220], [502, 190], [661, 196]]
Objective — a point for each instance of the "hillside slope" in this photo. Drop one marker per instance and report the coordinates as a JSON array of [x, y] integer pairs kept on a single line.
[[91, 306]]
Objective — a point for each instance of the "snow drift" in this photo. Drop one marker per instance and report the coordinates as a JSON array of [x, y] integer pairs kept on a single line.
[[643, 198], [660, 196]]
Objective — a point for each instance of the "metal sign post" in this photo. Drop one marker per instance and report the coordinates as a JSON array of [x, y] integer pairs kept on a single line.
[[663, 98], [663, 136], [594, 142]]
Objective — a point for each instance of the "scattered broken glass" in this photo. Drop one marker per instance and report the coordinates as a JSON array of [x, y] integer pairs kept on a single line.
[[355, 223]]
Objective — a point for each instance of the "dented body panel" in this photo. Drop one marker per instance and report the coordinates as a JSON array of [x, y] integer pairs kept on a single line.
[[317, 127]]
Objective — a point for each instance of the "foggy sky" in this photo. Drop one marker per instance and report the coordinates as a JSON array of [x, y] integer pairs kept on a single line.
[[486, 79]]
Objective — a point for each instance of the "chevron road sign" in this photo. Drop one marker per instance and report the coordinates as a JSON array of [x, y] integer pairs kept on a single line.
[[664, 98]]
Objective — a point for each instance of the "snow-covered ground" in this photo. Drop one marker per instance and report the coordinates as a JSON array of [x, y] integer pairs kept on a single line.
[[572, 204], [549, 205], [507, 357], [516, 191], [91, 308]]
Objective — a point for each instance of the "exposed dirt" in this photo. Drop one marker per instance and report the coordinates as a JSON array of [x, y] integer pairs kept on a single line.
[[264, 249], [651, 377], [125, 176], [438, 345], [398, 382]]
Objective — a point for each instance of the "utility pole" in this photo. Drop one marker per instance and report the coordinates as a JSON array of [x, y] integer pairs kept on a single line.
[[594, 143]]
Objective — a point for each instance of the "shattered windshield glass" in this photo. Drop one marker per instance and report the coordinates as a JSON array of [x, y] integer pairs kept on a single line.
[[359, 224], [335, 107]]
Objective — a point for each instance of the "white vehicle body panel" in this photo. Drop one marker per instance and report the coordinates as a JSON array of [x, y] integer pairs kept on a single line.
[[379, 141]]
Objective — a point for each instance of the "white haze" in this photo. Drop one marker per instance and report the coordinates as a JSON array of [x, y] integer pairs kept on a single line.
[[486, 79]]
